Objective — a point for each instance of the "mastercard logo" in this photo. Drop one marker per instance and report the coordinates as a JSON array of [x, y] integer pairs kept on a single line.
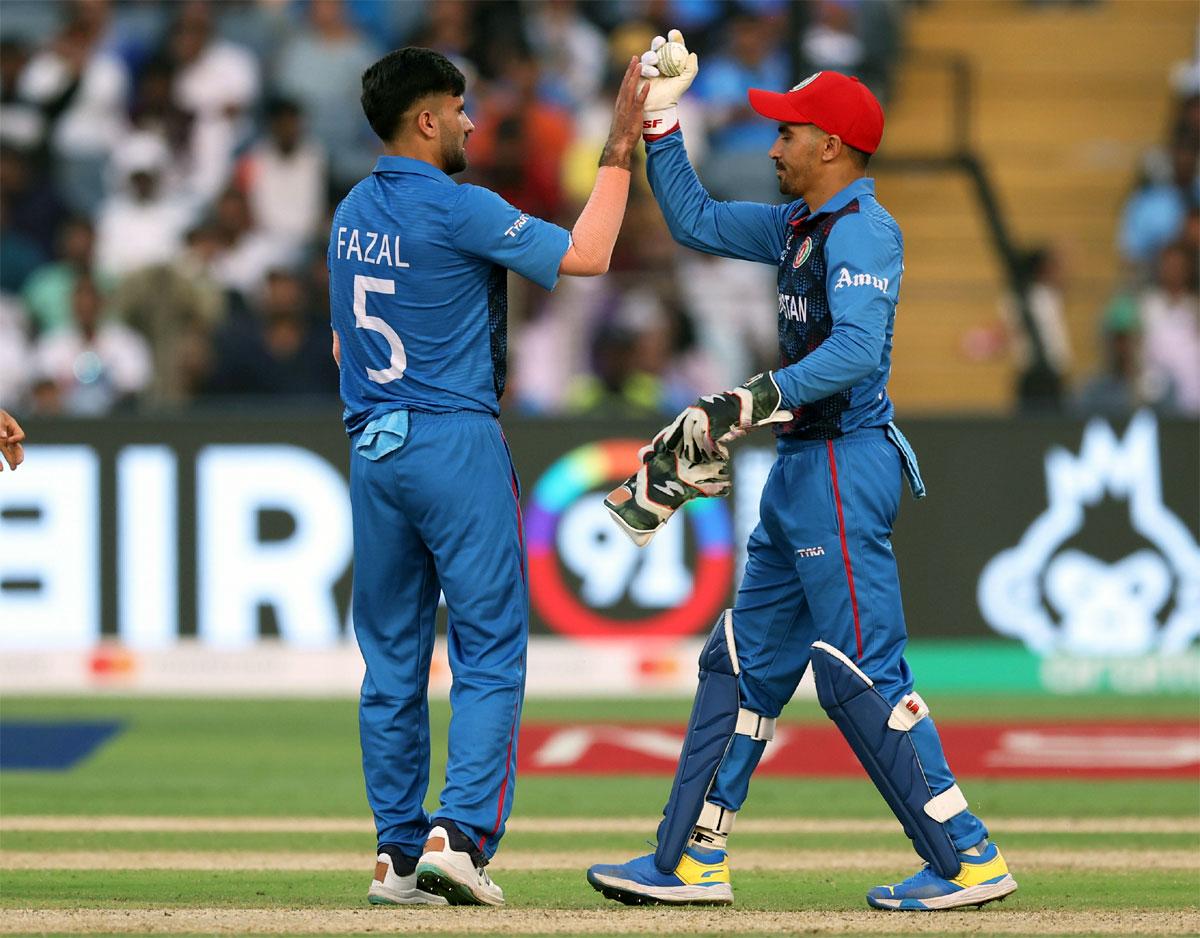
[[602, 466]]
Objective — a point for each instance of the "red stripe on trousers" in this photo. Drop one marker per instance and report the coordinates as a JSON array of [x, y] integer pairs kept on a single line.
[[837, 499], [512, 730], [520, 526], [503, 785]]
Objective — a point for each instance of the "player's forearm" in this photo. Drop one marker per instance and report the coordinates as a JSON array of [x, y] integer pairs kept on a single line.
[[849, 354], [595, 232], [679, 192], [743, 230]]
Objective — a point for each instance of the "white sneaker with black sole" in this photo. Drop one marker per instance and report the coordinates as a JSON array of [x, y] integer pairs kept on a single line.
[[390, 888], [453, 875]]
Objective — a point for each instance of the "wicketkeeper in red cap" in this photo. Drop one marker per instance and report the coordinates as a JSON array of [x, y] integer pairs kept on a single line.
[[820, 587]]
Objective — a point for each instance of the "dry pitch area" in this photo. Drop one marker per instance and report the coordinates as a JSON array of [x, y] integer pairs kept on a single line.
[[771, 857], [616, 921], [248, 817]]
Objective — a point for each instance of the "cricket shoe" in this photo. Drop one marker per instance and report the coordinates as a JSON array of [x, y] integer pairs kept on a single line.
[[452, 873], [389, 887], [701, 878], [981, 879]]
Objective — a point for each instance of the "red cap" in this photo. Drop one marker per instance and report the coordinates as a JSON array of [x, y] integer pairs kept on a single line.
[[834, 102]]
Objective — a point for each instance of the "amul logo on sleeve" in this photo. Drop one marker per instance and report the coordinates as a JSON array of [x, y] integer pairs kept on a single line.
[[847, 279], [1057, 598]]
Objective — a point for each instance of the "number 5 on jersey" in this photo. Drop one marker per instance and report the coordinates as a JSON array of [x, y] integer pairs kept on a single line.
[[398, 361]]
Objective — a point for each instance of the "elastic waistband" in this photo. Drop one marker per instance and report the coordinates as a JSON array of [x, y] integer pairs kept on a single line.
[[786, 446]]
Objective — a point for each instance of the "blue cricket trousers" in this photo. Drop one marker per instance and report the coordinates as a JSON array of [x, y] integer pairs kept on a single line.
[[440, 512], [820, 566]]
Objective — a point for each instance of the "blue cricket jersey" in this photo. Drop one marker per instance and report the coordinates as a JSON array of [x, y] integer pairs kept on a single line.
[[839, 281], [417, 289]]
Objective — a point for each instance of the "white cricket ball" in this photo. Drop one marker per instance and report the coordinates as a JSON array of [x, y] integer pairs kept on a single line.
[[672, 56]]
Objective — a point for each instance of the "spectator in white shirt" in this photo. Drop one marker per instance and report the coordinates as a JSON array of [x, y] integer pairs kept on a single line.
[[217, 83], [22, 123], [214, 78], [249, 251], [96, 364], [83, 91], [284, 176], [321, 68], [1170, 320], [141, 224]]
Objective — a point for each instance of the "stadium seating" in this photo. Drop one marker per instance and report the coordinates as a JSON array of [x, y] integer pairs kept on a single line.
[[1066, 99]]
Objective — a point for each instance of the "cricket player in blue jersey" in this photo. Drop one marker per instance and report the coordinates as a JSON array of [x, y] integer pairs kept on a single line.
[[418, 267], [821, 585]]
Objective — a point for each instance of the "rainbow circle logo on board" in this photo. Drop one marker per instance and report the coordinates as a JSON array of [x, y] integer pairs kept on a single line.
[[602, 466]]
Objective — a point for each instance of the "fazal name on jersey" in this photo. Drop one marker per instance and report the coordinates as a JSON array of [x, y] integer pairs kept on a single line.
[[369, 247]]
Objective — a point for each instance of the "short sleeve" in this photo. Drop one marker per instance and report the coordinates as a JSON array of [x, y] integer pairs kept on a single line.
[[488, 227]]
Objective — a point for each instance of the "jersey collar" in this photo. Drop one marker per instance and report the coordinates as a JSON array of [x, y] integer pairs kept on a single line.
[[404, 164], [802, 214], [860, 187]]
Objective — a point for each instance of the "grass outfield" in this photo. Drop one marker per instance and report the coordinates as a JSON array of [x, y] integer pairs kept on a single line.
[[143, 828]]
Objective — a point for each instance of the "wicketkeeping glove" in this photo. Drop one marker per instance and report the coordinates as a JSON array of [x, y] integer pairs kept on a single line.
[[670, 70], [699, 430], [645, 501]]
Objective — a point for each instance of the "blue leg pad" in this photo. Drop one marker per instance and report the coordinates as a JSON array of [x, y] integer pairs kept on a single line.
[[879, 735], [717, 716], [732, 784]]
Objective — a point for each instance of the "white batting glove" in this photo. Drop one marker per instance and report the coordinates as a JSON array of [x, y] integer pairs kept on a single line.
[[670, 69]]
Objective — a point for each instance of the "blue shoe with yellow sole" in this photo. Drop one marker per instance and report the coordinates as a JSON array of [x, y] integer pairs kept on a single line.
[[981, 879], [701, 878]]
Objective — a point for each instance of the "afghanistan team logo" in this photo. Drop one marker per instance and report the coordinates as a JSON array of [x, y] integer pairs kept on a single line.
[[802, 254]]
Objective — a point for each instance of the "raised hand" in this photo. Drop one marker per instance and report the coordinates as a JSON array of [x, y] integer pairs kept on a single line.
[[627, 118], [668, 70]]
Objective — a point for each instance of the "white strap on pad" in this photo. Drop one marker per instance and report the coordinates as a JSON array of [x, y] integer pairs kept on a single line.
[[944, 806], [755, 726], [908, 713], [715, 818]]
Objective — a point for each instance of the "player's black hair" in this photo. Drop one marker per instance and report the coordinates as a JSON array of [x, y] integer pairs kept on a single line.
[[860, 157], [401, 78]]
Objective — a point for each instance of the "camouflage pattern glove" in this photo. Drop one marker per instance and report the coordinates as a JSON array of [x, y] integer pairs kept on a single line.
[[645, 501], [698, 432]]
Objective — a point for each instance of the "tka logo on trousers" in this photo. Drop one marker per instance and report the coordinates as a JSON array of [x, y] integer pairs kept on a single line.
[[1058, 599]]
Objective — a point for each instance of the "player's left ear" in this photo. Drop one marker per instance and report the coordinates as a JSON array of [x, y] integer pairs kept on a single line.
[[427, 124], [832, 148]]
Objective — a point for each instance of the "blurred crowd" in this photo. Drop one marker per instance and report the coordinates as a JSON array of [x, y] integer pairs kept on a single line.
[[1151, 329], [1149, 332], [169, 170]]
